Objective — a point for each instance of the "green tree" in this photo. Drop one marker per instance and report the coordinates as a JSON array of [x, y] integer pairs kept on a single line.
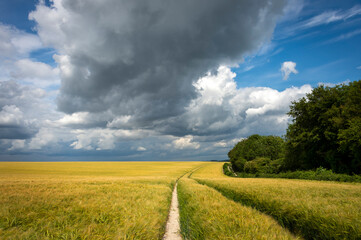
[[326, 130], [255, 146]]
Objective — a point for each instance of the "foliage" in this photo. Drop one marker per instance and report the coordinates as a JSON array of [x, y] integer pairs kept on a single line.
[[324, 175], [326, 130], [263, 165], [238, 164], [227, 170], [256, 153]]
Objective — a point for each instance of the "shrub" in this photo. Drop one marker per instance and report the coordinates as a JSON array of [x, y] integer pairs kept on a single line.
[[256, 146], [238, 165], [258, 165]]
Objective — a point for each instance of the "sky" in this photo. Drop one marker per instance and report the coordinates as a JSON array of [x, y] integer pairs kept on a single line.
[[123, 80]]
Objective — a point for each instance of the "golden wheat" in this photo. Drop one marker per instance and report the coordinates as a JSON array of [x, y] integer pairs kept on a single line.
[[88, 200]]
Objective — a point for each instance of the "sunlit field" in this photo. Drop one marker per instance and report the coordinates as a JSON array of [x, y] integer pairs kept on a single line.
[[322, 210], [131, 200], [206, 214], [87, 200]]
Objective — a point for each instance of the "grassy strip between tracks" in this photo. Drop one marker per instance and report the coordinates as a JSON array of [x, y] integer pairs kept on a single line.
[[318, 210], [206, 214]]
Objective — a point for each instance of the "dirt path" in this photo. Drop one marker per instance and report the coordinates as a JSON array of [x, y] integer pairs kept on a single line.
[[172, 231]]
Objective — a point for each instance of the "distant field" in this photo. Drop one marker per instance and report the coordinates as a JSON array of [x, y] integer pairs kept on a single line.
[[130, 200], [88, 200]]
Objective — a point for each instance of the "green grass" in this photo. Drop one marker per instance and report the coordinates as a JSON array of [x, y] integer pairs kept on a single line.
[[206, 214], [87, 200], [318, 210]]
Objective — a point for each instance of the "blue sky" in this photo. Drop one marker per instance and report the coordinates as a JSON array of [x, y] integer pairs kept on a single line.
[[328, 52], [120, 80]]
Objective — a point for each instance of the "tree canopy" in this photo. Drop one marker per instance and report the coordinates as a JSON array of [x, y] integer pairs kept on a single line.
[[326, 130], [256, 147]]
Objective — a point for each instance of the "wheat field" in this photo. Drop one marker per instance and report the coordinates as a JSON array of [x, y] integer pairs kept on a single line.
[[131, 200], [92, 200], [316, 209]]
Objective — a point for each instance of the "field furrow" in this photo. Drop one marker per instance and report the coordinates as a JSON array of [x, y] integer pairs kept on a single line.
[[318, 210], [206, 214]]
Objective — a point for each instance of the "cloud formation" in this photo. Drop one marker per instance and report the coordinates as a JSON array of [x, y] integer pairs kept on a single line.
[[222, 108], [17, 104], [15, 43], [140, 79], [140, 58], [288, 68], [332, 16], [37, 73], [185, 142]]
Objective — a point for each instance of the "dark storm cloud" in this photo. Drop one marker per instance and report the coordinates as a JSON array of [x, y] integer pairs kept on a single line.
[[16, 101], [139, 58], [15, 132]]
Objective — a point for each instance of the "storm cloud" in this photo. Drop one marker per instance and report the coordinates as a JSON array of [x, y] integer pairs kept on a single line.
[[139, 60], [16, 105]]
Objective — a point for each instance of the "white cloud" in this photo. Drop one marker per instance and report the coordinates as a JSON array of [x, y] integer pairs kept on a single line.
[[53, 20], [11, 115], [227, 143], [15, 43], [104, 139], [37, 73], [141, 149], [288, 68], [213, 89], [222, 108], [185, 142], [119, 121], [332, 16], [359, 67], [43, 138], [74, 119], [16, 145], [327, 17], [92, 120], [249, 68], [15, 49], [333, 84], [292, 9]]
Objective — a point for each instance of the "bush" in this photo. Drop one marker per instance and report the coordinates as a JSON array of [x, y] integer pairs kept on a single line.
[[256, 146], [226, 170], [320, 174], [238, 165], [258, 165], [277, 166], [263, 165]]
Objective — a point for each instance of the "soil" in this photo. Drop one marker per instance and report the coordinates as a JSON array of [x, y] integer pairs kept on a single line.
[[172, 231]]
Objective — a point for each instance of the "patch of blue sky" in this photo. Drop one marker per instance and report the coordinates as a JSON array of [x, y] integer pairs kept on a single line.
[[324, 42], [15, 13], [44, 55]]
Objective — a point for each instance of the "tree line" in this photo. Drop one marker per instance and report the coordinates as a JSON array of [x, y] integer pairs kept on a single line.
[[325, 132]]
